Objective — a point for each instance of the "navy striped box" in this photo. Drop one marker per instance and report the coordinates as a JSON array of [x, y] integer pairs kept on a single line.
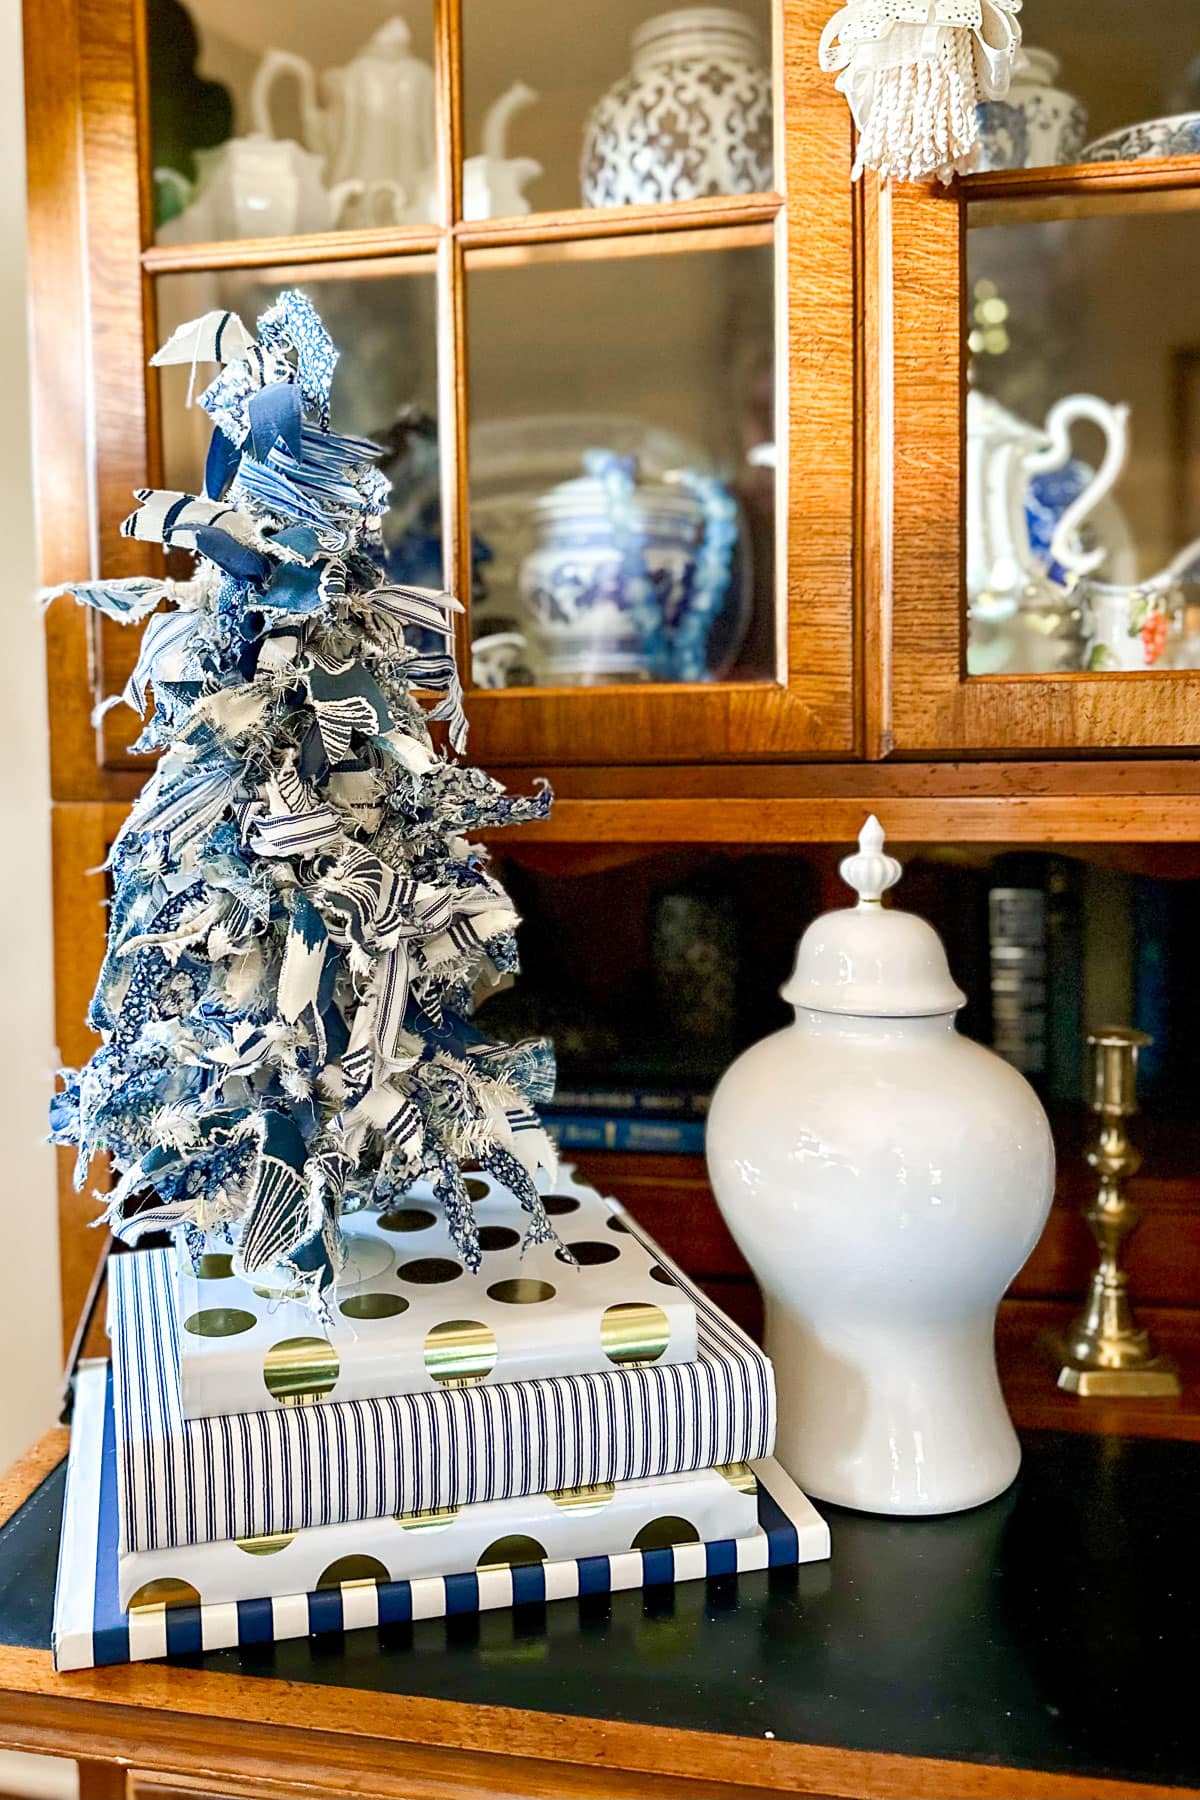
[[90, 1629]]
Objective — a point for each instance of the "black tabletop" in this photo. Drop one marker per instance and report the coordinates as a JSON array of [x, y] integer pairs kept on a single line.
[[1056, 1628]]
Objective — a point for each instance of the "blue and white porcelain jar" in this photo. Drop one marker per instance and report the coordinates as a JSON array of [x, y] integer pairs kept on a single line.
[[1037, 124], [692, 117], [628, 576]]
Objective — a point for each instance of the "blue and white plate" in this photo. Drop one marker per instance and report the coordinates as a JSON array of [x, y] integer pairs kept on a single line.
[[1178, 135]]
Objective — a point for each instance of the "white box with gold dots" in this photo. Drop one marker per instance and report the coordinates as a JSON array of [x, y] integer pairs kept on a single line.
[[408, 1317]]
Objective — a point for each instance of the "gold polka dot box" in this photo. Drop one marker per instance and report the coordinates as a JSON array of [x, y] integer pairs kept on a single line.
[[409, 1317], [272, 1466]]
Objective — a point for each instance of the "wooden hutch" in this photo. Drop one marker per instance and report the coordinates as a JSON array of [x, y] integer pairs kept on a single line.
[[856, 695]]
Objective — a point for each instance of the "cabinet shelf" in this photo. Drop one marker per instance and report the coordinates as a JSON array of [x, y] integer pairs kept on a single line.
[[1082, 190], [1113, 804], [677, 225]]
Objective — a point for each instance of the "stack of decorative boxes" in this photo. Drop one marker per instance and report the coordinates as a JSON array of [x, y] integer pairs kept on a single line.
[[450, 1442]]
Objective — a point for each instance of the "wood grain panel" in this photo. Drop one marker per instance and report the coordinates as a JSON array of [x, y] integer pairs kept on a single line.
[[978, 803], [923, 248], [101, 1781], [573, 224], [1126, 180], [1050, 819], [121, 326], [404, 1747], [61, 394], [509, 253], [1158, 782], [494, 1779], [324, 247], [111, 136]]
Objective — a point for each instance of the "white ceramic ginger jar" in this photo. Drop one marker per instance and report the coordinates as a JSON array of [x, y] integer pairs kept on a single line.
[[885, 1179]]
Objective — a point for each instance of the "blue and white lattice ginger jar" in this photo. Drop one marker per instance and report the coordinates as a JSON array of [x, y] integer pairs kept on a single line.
[[693, 116]]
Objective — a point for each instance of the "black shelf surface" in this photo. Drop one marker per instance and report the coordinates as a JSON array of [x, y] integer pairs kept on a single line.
[[1057, 1629]]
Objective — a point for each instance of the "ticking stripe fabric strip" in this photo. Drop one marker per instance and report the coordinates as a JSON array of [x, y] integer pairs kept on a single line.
[[193, 1481]]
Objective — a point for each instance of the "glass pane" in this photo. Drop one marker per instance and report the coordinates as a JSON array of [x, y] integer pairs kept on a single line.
[[1099, 81], [269, 120], [1083, 444], [622, 464], [385, 387], [618, 104]]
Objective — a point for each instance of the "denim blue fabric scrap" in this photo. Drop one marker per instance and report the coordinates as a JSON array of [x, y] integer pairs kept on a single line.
[[299, 925]]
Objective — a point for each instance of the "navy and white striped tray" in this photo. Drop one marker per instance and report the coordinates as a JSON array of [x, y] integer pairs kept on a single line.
[[90, 1629]]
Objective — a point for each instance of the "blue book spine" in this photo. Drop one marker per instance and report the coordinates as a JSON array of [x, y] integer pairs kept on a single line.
[[584, 1131], [642, 1102], [1152, 979], [1065, 981]]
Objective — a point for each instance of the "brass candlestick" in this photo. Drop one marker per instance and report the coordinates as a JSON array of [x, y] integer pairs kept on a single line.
[[1106, 1352]]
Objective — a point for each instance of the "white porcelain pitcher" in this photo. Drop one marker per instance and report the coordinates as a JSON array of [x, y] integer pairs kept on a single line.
[[377, 120], [493, 184], [1003, 453]]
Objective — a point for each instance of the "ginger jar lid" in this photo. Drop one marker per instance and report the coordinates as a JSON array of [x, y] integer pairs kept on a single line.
[[871, 960]]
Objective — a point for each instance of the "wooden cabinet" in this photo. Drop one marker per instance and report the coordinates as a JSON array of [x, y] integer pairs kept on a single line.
[[857, 650], [829, 320]]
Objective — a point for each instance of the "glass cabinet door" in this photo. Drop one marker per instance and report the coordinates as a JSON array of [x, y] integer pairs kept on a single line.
[[592, 295], [1046, 439]]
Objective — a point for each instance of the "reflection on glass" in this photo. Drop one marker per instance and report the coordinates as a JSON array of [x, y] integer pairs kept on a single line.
[[621, 462], [644, 106], [1083, 445], [386, 386], [269, 121], [1099, 81]]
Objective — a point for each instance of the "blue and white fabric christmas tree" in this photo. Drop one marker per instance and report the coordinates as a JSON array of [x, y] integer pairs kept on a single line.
[[299, 925]]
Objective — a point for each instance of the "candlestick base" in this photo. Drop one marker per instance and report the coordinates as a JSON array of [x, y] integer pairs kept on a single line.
[[1155, 1379]]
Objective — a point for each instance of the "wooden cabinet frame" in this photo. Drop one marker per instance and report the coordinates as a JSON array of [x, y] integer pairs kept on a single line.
[[94, 271], [932, 707]]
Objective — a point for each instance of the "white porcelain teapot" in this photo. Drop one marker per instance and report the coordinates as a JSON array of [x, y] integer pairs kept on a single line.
[[254, 187], [1003, 453], [377, 121]]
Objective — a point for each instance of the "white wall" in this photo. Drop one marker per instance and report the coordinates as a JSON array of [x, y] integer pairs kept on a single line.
[[30, 1338]]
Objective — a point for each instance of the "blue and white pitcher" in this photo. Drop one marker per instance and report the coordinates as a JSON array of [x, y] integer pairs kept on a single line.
[[628, 576]]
